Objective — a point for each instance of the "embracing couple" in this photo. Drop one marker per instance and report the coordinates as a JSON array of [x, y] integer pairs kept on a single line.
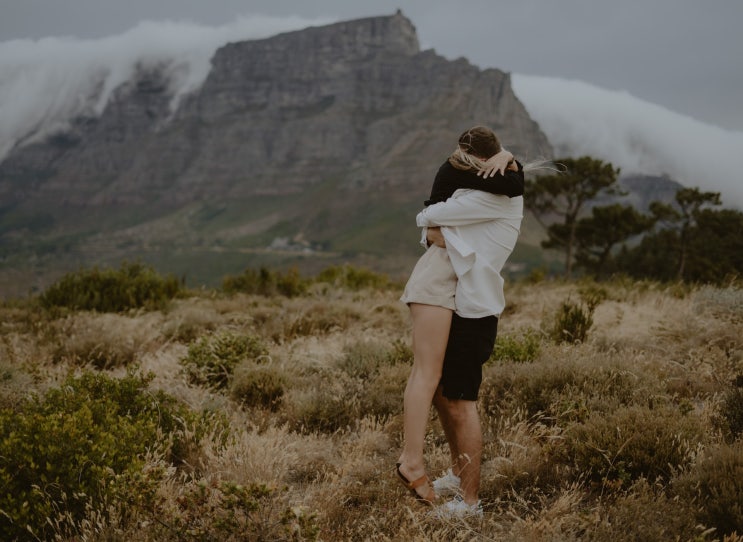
[[455, 293]]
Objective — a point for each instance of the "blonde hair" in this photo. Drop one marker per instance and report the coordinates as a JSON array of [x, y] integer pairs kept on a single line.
[[462, 160], [480, 143]]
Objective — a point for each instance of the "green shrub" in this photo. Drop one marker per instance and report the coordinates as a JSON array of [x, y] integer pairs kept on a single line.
[[632, 443], [329, 403], [317, 319], [645, 512], [730, 413], [266, 282], [258, 385], [132, 286], [559, 392], [592, 295], [353, 278], [571, 323], [78, 448], [716, 482], [521, 348], [382, 394], [364, 359], [211, 360], [229, 511]]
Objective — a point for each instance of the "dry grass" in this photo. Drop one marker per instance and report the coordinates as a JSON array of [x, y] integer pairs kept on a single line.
[[560, 459]]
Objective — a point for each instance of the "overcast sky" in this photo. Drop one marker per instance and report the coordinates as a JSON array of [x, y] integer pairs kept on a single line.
[[686, 55]]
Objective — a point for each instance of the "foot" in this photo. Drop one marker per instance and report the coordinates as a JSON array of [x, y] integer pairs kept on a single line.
[[458, 509], [417, 483], [447, 485]]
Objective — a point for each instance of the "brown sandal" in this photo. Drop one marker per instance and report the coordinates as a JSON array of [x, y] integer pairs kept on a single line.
[[429, 498]]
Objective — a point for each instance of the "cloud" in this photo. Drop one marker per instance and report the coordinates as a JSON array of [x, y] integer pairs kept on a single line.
[[45, 83], [640, 137]]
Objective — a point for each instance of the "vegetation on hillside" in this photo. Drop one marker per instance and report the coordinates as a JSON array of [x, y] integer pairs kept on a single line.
[[611, 411], [689, 240]]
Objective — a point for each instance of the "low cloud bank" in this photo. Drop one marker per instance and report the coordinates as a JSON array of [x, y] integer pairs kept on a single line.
[[45, 83], [640, 137]]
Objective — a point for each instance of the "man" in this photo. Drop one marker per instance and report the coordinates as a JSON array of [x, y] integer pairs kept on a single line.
[[479, 231]]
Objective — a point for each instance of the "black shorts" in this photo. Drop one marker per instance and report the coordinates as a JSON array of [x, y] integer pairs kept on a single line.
[[471, 341]]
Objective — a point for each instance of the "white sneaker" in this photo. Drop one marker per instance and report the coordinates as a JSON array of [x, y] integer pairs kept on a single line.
[[458, 509], [448, 485]]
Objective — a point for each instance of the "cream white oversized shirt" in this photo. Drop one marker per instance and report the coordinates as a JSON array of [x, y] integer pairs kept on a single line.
[[480, 230]]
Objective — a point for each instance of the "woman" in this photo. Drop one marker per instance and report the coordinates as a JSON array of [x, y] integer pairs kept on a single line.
[[430, 292]]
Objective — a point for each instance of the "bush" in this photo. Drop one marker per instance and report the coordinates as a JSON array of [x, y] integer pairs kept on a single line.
[[364, 359], [730, 413], [573, 320], [382, 395], [211, 360], [229, 511], [266, 282], [645, 512], [560, 392], [332, 404], [518, 349], [716, 482], [571, 323], [315, 319], [632, 443], [132, 286], [258, 385], [78, 448], [353, 278]]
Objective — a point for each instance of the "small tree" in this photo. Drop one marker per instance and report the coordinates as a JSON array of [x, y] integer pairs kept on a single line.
[[597, 235], [697, 243], [682, 220], [564, 196]]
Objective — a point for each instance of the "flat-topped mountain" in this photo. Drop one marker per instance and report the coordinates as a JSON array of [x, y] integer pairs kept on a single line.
[[324, 139]]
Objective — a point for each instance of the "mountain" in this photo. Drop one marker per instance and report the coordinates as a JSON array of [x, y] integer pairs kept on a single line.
[[642, 189], [308, 148]]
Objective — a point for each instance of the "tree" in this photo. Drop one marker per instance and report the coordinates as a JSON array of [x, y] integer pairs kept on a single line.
[[596, 236], [564, 196], [715, 246], [697, 244], [683, 220]]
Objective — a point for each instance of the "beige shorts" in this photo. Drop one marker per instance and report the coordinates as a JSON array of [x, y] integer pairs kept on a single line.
[[433, 280]]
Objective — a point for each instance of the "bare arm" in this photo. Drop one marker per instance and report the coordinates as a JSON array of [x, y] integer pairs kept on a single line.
[[498, 163]]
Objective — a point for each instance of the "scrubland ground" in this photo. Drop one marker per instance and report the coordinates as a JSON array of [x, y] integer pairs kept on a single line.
[[279, 418]]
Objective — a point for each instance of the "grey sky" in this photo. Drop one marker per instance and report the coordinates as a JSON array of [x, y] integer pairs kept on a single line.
[[685, 55]]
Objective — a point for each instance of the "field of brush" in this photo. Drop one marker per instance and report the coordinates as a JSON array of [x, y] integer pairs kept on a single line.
[[235, 416]]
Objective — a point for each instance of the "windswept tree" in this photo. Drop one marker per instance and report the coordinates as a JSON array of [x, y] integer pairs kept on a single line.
[[561, 198], [598, 235]]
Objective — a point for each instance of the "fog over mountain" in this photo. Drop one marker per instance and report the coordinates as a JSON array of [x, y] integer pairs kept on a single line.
[[638, 136], [45, 83]]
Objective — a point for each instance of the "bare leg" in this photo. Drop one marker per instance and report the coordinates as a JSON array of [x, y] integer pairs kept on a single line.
[[430, 334], [461, 423]]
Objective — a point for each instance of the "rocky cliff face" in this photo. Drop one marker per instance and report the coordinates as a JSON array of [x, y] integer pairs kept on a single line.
[[356, 103]]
